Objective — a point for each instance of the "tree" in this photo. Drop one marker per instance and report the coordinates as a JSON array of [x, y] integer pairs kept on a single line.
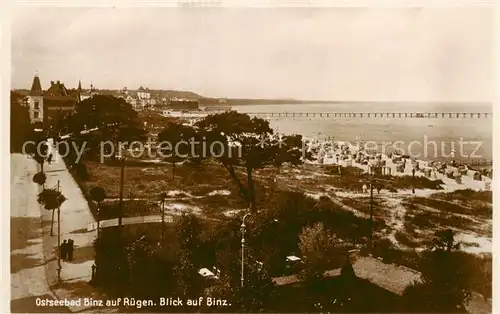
[[98, 195], [318, 247], [41, 154], [113, 118], [236, 140], [40, 160], [176, 137], [21, 129], [40, 178], [150, 273], [188, 231], [445, 285], [189, 282], [257, 293], [444, 241], [51, 199]]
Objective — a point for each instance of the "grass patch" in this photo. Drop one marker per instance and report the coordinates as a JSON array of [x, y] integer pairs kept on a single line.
[[362, 204], [480, 209], [467, 195], [405, 240], [220, 202], [148, 179], [421, 218], [385, 249]]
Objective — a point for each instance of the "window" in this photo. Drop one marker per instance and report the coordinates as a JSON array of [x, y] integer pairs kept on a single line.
[[37, 115], [37, 104]]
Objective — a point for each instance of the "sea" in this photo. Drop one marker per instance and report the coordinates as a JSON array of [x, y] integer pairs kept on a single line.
[[463, 139]]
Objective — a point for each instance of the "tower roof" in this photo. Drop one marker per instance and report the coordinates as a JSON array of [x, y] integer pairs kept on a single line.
[[36, 87], [79, 85]]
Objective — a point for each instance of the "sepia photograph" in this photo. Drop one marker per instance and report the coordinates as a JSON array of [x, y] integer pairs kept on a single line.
[[204, 158]]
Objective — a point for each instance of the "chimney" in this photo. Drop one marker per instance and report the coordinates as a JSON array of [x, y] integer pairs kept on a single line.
[[51, 82], [58, 82]]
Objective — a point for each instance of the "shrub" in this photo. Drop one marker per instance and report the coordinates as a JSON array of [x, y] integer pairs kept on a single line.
[[97, 194], [318, 247], [40, 178], [81, 171], [51, 199]]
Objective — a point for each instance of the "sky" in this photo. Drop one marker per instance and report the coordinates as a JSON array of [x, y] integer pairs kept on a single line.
[[377, 54]]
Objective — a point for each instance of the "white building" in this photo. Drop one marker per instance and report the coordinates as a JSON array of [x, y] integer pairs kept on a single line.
[[142, 100], [143, 93]]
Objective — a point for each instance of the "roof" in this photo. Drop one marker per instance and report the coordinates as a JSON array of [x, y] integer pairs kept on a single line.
[[205, 272], [292, 258], [390, 277], [56, 89], [36, 87], [286, 280], [59, 101], [141, 89]]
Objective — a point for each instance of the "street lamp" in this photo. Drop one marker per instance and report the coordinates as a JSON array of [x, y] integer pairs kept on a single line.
[[98, 219], [372, 175], [163, 197], [59, 266], [120, 225], [243, 248], [243, 229], [122, 175]]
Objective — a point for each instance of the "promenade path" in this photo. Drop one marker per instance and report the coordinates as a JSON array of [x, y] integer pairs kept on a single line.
[[31, 224], [28, 261], [75, 217]]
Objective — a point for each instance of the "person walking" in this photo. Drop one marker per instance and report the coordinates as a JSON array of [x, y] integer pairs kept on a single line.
[[71, 247], [64, 250]]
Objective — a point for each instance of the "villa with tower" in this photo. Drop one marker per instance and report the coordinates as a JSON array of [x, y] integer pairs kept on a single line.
[[55, 102]]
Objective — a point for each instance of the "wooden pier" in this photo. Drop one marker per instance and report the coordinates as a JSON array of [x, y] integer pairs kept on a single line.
[[411, 115]]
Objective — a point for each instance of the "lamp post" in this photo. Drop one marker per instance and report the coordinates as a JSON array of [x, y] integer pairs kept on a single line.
[[59, 266], [119, 270], [371, 213], [243, 249], [120, 206], [98, 219]]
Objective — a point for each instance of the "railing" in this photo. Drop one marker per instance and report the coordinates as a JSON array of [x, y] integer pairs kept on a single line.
[[130, 221]]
